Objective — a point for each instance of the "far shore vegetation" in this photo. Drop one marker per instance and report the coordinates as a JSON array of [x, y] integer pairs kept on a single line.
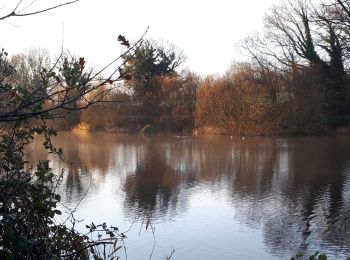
[[295, 80]]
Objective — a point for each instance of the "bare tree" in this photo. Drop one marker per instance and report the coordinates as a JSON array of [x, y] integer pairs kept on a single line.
[[345, 5], [290, 27], [64, 83]]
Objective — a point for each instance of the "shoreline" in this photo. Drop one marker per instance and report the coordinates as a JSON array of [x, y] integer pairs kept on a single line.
[[210, 131]]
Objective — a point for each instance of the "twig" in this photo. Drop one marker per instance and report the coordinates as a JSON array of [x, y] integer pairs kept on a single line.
[[14, 13]]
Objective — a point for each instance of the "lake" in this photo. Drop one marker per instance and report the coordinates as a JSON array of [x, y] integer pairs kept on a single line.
[[214, 197]]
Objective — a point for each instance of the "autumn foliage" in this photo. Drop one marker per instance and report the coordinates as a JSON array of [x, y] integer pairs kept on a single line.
[[235, 103]]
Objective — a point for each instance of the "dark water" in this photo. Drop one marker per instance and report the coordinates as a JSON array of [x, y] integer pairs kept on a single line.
[[212, 197]]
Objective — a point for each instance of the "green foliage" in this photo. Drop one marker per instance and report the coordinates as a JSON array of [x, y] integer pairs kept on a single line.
[[148, 62], [72, 73], [316, 256], [28, 199], [28, 229]]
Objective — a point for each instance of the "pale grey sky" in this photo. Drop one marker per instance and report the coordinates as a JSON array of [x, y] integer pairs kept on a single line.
[[206, 30]]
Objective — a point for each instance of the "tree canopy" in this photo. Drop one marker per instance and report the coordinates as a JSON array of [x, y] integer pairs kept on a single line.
[[149, 61]]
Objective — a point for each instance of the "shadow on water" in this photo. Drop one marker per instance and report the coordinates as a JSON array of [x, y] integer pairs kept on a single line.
[[295, 190]]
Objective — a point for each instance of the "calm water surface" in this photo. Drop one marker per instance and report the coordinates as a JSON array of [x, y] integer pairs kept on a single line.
[[212, 197]]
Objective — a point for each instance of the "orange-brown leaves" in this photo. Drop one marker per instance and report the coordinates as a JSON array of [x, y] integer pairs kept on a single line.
[[82, 63]]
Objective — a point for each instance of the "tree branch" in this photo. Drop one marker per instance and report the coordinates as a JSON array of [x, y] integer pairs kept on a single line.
[[15, 14]]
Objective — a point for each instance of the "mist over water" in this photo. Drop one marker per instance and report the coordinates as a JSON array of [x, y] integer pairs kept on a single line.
[[211, 197]]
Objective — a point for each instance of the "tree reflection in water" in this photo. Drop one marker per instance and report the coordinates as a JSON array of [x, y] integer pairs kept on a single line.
[[295, 190]]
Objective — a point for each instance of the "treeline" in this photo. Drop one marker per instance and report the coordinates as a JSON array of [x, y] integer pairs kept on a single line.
[[296, 81], [169, 106]]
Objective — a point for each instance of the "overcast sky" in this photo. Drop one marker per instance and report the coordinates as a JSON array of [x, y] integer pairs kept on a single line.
[[206, 30]]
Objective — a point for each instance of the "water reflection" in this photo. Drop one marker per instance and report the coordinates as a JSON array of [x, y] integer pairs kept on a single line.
[[296, 191], [153, 187]]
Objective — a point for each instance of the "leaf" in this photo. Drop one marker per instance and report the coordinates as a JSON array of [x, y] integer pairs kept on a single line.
[[109, 81], [58, 79], [82, 63], [58, 212], [124, 76], [123, 41], [322, 257], [127, 77]]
